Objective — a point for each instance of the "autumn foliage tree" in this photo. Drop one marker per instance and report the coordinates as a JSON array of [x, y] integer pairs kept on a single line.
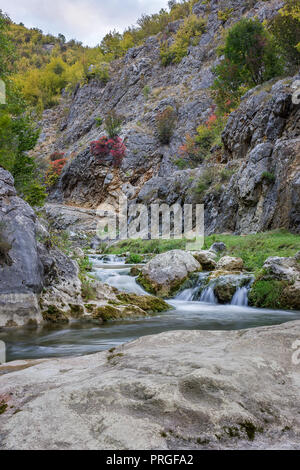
[[286, 28]]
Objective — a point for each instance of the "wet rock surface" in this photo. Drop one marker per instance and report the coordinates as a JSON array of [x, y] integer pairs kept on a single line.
[[176, 390]]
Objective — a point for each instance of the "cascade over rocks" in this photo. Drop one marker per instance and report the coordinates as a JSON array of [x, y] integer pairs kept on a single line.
[[40, 283]]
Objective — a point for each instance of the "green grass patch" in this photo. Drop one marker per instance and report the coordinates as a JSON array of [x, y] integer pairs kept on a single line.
[[254, 249], [268, 294], [134, 258], [146, 246]]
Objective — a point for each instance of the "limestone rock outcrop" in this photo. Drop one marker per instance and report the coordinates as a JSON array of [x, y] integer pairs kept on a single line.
[[165, 273]]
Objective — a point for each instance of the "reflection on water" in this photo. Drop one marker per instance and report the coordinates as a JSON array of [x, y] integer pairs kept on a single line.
[[78, 338]]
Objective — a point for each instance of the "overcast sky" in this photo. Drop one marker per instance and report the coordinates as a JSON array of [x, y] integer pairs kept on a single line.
[[85, 20]]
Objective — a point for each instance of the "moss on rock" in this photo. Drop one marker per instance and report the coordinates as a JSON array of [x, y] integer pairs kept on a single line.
[[161, 290], [54, 315], [106, 312], [128, 306], [3, 407], [148, 303], [77, 311], [110, 312]]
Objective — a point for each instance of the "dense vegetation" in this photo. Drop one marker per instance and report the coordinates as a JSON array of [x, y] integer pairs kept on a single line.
[[45, 64], [254, 53], [17, 133]]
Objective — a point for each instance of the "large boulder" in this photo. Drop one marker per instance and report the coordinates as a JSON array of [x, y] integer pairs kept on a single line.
[[61, 298], [21, 270], [177, 390], [165, 273], [283, 269], [229, 263]]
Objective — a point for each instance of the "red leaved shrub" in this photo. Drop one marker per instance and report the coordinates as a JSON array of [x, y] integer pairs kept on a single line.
[[54, 171], [56, 156], [99, 148], [57, 166], [115, 147]]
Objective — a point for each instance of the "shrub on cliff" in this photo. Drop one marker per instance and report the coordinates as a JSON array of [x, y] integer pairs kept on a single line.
[[189, 33], [112, 145], [197, 148], [54, 171], [165, 122], [99, 72], [104, 147], [286, 28], [113, 124], [251, 58], [56, 156]]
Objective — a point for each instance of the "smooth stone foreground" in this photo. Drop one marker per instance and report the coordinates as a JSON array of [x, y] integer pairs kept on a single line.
[[176, 390]]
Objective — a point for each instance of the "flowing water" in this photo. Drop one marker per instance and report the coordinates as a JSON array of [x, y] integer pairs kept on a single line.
[[195, 308]]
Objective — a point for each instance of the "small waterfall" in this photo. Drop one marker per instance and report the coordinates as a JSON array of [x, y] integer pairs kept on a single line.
[[107, 259], [192, 294], [208, 295], [240, 298], [187, 294]]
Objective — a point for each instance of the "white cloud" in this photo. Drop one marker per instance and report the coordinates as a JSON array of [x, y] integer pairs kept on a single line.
[[85, 20]]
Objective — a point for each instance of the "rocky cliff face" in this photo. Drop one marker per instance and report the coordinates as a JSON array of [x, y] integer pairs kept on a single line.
[[28, 267], [261, 139]]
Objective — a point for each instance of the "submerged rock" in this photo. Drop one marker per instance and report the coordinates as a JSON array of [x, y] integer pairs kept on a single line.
[[176, 390], [165, 273]]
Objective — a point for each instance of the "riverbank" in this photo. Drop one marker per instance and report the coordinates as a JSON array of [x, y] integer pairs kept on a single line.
[[176, 390], [195, 307], [254, 249]]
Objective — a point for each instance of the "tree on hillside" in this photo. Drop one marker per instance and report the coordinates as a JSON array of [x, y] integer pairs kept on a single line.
[[286, 28], [251, 57], [17, 133]]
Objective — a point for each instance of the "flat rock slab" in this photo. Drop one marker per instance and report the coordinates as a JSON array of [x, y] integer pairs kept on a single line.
[[176, 390]]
